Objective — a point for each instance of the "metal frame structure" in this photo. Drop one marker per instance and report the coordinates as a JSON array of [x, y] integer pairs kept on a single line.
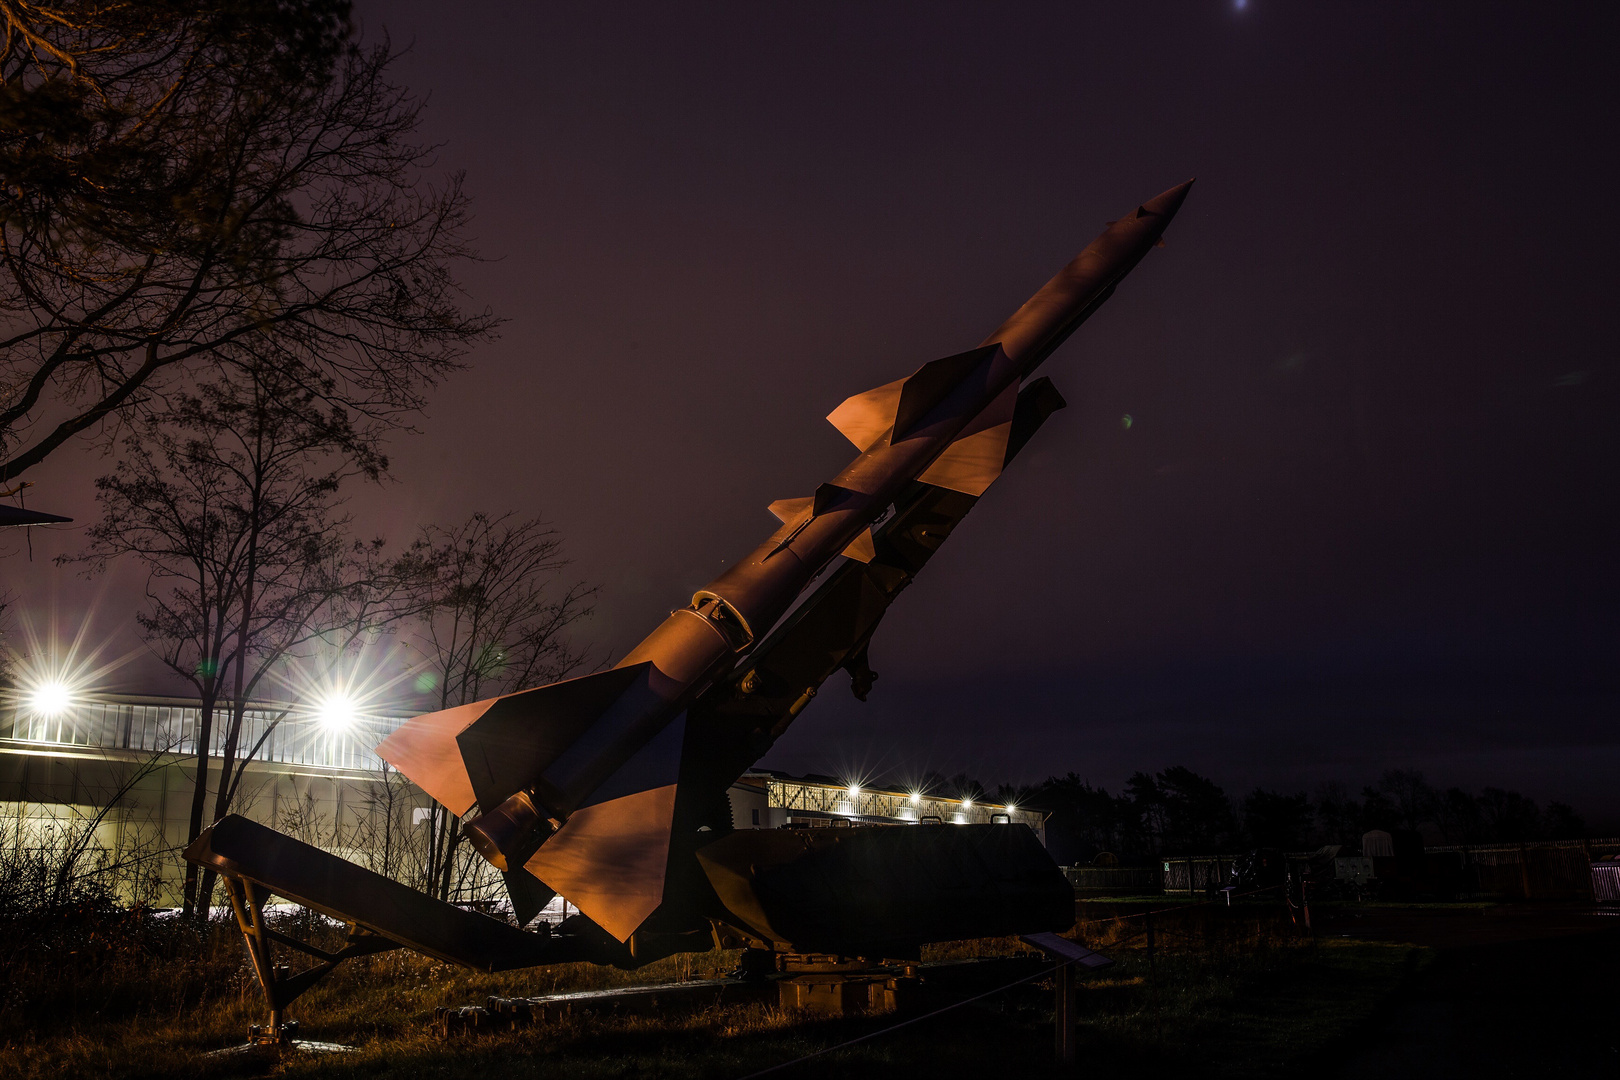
[[281, 987]]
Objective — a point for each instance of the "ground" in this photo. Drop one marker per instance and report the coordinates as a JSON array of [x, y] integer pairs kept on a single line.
[[1472, 990], [1512, 991]]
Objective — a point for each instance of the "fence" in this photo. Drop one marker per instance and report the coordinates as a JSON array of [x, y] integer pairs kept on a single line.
[[1112, 880], [160, 725], [1606, 883], [1535, 870], [1542, 870], [1197, 873]]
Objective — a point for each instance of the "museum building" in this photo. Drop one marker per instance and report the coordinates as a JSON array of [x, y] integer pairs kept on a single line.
[[121, 767], [124, 765]]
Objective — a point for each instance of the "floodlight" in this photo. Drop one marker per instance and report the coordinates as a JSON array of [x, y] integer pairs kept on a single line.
[[967, 804], [50, 698], [336, 710], [854, 791], [916, 798]]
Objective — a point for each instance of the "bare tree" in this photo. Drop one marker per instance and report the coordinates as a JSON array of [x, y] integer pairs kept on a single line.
[[231, 501], [384, 831], [8, 677], [495, 620], [186, 186]]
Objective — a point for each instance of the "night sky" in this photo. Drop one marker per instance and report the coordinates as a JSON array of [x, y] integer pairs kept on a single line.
[[1365, 514]]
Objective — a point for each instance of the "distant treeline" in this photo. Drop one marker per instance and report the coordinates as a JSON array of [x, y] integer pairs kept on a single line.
[[1179, 812]]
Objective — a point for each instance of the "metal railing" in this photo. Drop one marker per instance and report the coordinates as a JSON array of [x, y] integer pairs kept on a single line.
[[1113, 880], [808, 796], [159, 725]]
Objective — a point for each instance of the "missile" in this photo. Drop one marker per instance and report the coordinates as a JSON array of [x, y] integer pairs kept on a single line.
[[576, 781]]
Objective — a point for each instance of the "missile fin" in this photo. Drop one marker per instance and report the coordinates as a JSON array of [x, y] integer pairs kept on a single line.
[[862, 549], [1037, 401], [789, 510], [528, 893], [899, 406], [424, 749], [864, 418], [932, 384], [611, 857], [973, 461], [828, 497], [514, 740]]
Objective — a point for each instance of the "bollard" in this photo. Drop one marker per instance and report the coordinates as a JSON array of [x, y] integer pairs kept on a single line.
[[1063, 1014]]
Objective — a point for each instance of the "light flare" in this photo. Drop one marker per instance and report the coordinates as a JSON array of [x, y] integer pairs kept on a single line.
[[54, 676], [49, 699], [340, 694], [337, 711]]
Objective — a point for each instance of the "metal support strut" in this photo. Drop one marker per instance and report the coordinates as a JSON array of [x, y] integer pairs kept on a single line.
[[281, 987]]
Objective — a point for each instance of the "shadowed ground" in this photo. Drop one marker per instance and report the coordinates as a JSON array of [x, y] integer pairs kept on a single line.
[[1472, 991], [1514, 990]]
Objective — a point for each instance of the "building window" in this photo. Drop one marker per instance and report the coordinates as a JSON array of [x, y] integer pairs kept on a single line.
[[756, 816]]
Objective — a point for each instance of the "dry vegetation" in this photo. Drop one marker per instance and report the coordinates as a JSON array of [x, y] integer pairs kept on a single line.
[[96, 991]]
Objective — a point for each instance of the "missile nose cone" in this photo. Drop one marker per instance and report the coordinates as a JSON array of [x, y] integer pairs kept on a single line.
[[1167, 203]]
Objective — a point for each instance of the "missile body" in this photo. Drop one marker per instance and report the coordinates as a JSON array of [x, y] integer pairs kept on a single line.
[[575, 781]]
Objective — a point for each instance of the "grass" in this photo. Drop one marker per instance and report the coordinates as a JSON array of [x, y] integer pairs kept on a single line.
[[1157, 900], [1417, 905], [1223, 993]]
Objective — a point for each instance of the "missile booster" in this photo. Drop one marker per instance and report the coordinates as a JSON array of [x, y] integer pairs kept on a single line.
[[579, 784]]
